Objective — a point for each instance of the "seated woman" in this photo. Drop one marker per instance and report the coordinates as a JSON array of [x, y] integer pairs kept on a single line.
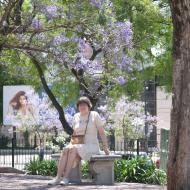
[[92, 122]]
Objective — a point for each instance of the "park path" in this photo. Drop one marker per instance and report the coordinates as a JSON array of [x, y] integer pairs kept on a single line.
[[24, 182]]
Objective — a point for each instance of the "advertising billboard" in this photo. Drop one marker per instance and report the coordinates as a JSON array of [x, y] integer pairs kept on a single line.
[[18, 107]]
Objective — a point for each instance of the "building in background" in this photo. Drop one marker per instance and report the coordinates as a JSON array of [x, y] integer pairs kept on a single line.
[[149, 98], [164, 104], [158, 102]]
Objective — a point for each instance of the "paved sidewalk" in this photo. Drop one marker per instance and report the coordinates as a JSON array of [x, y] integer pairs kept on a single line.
[[22, 182]]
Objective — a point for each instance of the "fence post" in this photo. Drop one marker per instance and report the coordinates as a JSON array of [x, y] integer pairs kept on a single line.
[[164, 138], [13, 145], [138, 144], [112, 140]]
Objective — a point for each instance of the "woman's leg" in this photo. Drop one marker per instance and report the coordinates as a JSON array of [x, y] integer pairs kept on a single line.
[[61, 167], [72, 156], [62, 162]]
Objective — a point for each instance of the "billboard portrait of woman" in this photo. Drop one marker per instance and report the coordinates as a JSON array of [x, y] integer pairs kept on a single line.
[[20, 110]]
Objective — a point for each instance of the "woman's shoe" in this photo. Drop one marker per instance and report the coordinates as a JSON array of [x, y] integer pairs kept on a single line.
[[55, 181], [65, 181]]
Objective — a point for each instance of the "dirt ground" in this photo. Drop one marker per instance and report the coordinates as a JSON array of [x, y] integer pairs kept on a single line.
[[22, 182]]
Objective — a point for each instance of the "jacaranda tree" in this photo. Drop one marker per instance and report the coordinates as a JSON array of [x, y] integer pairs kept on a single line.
[[67, 42]]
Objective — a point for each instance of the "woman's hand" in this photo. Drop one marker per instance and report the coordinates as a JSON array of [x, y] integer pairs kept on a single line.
[[104, 140], [106, 150]]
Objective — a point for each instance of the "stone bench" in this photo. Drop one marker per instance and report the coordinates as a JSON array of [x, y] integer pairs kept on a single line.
[[101, 167]]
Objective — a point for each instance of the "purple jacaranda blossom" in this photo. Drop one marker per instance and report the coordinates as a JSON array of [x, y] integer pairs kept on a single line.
[[126, 63], [36, 23], [49, 116], [70, 110], [151, 119], [81, 44], [137, 121], [97, 3], [51, 11], [69, 118], [121, 105], [123, 33], [41, 37], [116, 39], [60, 39], [121, 80], [91, 67], [62, 57], [81, 64], [130, 114], [134, 109], [117, 36], [123, 62], [74, 39], [79, 28]]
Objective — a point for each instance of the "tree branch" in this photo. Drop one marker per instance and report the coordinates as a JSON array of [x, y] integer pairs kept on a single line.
[[95, 53], [23, 47], [5, 18], [17, 13], [81, 81], [20, 29], [83, 86], [65, 124]]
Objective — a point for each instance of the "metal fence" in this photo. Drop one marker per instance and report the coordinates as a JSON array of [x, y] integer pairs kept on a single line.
[[15, 153], [133, 147], [18, 152]]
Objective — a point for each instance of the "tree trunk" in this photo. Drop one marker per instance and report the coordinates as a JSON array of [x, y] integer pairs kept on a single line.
[[179, 141]]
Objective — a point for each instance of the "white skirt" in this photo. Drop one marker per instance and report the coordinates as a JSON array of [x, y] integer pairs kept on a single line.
[[85, 151]]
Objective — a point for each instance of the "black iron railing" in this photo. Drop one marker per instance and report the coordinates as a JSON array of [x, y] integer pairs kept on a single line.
[[15, 153]]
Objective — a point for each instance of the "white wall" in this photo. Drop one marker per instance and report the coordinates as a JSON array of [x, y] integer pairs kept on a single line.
[[164, 104]]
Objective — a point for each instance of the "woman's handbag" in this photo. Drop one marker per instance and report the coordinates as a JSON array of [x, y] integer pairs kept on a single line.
[[79, 139]]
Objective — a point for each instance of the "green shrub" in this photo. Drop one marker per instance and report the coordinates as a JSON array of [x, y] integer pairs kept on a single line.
[[85, 170], [140, 170], [49, 168], [44, 167], [158, 177]]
